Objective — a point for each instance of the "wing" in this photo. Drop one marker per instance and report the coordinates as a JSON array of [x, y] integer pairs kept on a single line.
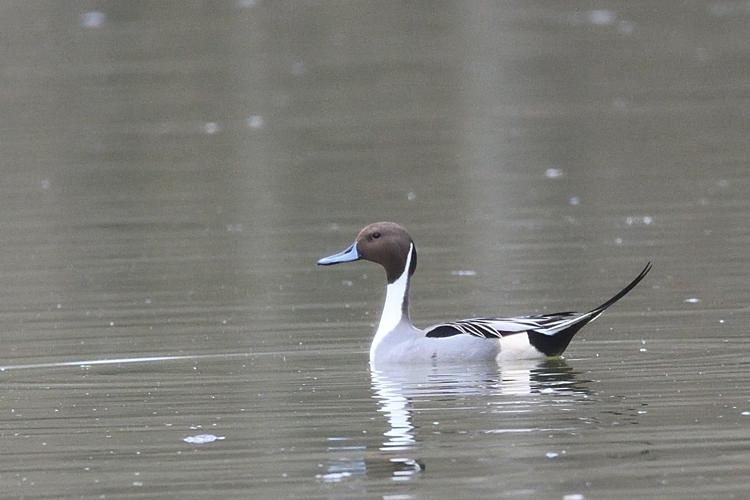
[[548, 333], [495, 328]]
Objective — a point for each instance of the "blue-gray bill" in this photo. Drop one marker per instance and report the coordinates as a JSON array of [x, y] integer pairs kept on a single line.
[[348, 255]]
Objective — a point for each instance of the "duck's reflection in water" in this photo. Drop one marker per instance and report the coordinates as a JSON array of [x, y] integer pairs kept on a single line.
[[401, 392]]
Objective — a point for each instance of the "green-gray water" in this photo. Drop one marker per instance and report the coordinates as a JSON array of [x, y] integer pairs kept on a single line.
[[171, 171]]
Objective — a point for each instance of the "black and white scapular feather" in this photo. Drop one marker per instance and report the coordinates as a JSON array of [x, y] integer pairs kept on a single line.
[[549, 333]]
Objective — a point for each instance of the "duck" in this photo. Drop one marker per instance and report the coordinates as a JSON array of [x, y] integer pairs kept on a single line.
[[398, 341]]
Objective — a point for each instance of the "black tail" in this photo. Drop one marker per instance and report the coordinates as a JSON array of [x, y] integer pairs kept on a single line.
[[553, 343], [598, 310]]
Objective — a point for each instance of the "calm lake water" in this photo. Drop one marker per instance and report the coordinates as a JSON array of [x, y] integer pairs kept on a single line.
[[171, 172]]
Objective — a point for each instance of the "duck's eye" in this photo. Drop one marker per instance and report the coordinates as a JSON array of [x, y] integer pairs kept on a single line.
[[376, 235]]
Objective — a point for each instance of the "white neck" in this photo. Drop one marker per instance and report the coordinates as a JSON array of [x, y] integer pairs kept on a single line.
[[393, 309]]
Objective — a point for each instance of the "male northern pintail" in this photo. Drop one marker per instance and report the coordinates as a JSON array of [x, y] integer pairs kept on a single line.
[[398, 341]]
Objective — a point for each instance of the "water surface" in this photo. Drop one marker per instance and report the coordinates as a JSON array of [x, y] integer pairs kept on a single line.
[[171, 173]]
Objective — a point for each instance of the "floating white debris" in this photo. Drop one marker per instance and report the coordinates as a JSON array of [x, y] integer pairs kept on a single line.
[[93, 19], [745, 413], [463, 272], [573, 496], [45, 184], [553, 173], [692, 300], [211, 128], [203, 438], [255, 122], [551, 454], [633, 220], [411, 196], [574, 200], [602, 17]]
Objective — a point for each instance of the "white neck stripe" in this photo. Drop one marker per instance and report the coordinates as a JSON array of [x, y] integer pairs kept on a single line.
[[393, 309]]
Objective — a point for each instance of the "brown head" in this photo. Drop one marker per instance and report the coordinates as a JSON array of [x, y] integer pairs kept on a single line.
[[385, 243]]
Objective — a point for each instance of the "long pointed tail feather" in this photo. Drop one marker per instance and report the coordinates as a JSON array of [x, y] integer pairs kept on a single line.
[[553, 341], [595, 312], [598, 310]]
